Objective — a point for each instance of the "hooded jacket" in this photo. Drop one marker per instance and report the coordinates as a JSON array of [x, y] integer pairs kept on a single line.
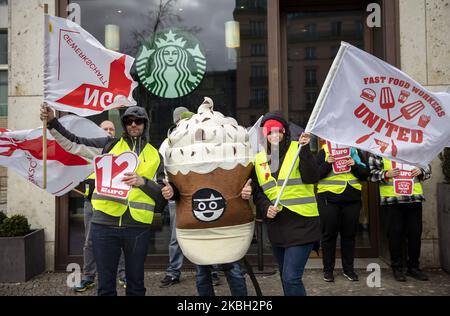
[[288, 228], [90, 147]]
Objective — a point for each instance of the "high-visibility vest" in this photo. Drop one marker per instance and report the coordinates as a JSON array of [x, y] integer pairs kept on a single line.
[[387, 190], [297, 197], [336, 183], [87, 187], [140, 204]]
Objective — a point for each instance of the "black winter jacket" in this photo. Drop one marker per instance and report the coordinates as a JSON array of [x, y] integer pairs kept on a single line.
[[91, 147], [288, 228]]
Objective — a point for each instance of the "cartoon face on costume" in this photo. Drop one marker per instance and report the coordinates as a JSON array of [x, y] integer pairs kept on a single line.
[[208, 205]]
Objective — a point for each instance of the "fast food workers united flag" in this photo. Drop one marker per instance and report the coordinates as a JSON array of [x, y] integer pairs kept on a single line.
[[369, 104], [80, 75], [22, 152]]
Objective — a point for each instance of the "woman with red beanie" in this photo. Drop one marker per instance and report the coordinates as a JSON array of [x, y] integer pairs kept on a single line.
[[293, 228]]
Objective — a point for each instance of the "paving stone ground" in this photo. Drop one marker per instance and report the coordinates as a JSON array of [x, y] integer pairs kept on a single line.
[[54, 284]]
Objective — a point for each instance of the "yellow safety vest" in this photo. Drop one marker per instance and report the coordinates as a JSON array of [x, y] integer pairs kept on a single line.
[[336, 183], [86, 189], [140, 204], [387, 190], [297, 197]]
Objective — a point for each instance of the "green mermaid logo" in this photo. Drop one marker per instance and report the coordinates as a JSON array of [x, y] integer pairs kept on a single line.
[[166, 65]]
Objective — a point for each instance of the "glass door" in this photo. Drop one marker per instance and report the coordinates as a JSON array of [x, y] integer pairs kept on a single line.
[[313, 35]]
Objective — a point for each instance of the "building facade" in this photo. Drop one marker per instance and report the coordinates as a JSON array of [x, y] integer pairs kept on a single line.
[[278, 62]]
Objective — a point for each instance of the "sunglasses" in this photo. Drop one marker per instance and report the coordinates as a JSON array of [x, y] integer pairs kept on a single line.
[[137, 121]]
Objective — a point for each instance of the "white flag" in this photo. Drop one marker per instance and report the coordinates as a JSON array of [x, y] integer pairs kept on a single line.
[[255, 136], [80, 75], [22, 151], [369, 104]]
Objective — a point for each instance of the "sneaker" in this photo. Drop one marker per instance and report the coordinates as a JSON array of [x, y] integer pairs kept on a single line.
[[215, 278], [328, 277], [351, 275], [399, 275], [123, 282], [417, 274], [169, 281], [84, 286]]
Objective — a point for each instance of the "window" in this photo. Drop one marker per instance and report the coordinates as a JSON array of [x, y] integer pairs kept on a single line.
[[251, 4], [310, 77], [227, 80], [311, 97], [259, 97], [336, 28], [359, 28], [333, 51], [310, 29], [3, 47], [310, 53], [258, 71], [3, 93], [3, 73], [258, 50], [257, 28]]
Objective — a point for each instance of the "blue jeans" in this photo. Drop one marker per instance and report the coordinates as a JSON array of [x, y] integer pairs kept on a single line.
[[107, 243], [175, 253], [233, 273], [291, 263], [89, 269]]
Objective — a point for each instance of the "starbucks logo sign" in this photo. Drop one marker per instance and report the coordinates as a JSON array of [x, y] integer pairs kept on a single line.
[[171, 63]]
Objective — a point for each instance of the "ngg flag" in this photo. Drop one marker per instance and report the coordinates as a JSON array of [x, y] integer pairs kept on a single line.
[[368, 104], [80, 75], [22, 152]]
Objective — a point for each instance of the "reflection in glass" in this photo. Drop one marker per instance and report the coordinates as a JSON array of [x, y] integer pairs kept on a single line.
[[112, 37], [235, 78], [232, 34], [313, 41]]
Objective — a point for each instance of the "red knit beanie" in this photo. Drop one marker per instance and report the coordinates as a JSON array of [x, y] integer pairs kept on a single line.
[[269, 125]]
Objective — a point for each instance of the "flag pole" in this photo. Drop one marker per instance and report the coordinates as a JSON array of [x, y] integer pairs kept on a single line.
[[288, 175], [317, 108], [44, 132]]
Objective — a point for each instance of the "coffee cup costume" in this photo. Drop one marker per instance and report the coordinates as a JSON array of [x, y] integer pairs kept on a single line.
[[209, 160]]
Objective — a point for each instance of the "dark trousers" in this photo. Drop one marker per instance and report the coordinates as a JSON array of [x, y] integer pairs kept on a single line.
[[404, 221], [334, 219], [107, 244]]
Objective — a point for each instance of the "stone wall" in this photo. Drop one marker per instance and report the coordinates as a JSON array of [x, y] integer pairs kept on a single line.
[[425, 52], [25, 90]]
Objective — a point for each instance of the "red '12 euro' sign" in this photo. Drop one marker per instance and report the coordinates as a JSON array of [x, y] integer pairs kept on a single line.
[[110, 171]]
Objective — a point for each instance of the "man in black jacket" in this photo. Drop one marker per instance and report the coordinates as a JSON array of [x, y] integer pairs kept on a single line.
[[120, 224]]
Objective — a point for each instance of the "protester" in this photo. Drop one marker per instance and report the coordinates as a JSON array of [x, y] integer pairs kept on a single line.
[[205, 273], [339, 201], [117, 224], [404, 215], [233, 273], [173, 271], [207, 173], [89, 270], [293, 228]]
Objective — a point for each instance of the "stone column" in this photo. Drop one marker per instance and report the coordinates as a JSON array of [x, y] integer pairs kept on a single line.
[[425, 49], [25, 91]]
